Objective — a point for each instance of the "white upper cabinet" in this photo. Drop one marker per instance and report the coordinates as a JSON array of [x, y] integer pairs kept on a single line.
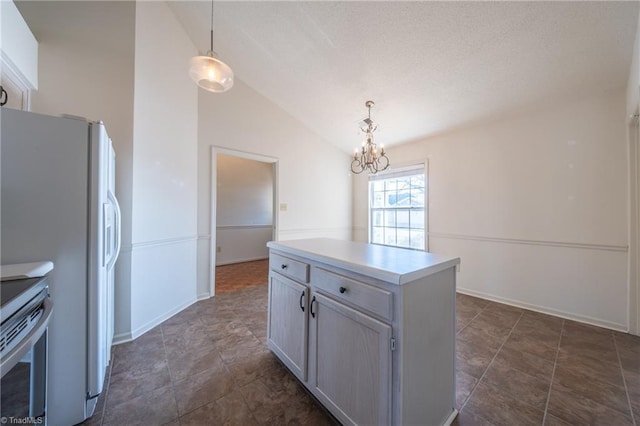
[[18, 56]]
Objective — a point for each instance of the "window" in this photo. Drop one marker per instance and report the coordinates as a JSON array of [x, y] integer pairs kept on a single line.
[[397, 208]]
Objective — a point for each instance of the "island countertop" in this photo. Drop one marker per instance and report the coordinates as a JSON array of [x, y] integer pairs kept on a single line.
[[390, 264]]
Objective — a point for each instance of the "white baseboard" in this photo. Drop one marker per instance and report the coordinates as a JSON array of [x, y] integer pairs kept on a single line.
[[129, 336], [203, 296], [451, 417], [549, 311], [121, 338]]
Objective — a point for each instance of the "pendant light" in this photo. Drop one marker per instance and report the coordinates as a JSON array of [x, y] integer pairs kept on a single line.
[[208, 71]]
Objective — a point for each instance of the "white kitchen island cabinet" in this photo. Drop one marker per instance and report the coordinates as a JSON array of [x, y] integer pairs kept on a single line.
[[368, 329]]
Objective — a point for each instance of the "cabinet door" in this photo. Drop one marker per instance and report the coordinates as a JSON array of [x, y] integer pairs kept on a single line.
[[288, 323], [352, 374], [16, 96]]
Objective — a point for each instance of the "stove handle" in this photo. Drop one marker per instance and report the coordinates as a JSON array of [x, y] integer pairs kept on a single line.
[[9, 360]]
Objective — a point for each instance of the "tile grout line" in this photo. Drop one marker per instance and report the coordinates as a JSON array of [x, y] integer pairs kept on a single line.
[[553, 373], [471, 320], [236, 387], [458, 332], [166, 359], [491, 362], [624, 380]]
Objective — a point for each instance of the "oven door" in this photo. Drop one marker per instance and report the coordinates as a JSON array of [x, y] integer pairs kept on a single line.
[[24, 373]]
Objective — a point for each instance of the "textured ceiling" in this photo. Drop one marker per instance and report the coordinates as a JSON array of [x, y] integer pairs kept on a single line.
[[430, 66]]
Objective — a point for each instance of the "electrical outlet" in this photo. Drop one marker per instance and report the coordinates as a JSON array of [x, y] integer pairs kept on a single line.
[[283, 207], [219, 249]]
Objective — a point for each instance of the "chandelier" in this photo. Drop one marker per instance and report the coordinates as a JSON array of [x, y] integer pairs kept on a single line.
[[368, 157]]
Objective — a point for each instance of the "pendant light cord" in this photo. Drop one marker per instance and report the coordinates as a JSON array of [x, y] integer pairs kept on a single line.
[[211, 41]]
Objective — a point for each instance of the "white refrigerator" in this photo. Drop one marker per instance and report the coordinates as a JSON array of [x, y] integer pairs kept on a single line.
[[57, 180]]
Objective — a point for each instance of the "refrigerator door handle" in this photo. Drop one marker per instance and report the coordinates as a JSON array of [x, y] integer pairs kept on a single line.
[[107, 250], [112, 198]]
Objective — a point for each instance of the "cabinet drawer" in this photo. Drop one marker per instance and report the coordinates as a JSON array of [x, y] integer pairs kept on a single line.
[[370, 298], [295, 269]]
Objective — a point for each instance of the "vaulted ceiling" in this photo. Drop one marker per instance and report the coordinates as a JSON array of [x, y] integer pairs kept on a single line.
[[430, 66]]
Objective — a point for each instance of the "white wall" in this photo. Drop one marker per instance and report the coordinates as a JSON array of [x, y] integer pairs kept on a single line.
[[163, 249], [88, 53], [85, 75], [244, 209], [312, 175], [535, 207]]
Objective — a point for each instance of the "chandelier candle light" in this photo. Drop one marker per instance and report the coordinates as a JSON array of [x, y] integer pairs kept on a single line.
[[368, 158], [208, 71]]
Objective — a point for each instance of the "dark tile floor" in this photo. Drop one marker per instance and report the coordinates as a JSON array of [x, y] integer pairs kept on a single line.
[[518, 367], [209, 365]]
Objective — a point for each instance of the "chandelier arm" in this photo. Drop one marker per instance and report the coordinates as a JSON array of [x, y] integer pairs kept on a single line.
[[386, 162], [355, 165]]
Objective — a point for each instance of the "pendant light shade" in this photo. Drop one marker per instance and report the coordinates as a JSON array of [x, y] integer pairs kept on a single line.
[[210, 73]]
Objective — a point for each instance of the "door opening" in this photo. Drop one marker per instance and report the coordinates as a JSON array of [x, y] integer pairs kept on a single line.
[[243, 213]]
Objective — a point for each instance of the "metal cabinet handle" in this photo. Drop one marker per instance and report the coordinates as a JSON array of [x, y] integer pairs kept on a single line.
[[313, 314], [284, 266], [343, 290], [301, 305]]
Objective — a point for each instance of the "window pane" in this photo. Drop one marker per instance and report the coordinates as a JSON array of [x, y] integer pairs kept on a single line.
[[390, 236], [417, 219], [390, 218], [404, 183], [417, 239], [390, 185], [377, 235], [378, 199], [391, 198], [378, 185], [403, 198], [376, 218], [402, 219], [403, 238], [417, 181], [417, 197]]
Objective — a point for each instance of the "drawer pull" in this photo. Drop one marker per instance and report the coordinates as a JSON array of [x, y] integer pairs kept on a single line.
[[301, 305], [284, 266], [343, 290]]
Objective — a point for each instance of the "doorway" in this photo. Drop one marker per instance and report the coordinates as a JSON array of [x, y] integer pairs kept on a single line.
[[243, 217]]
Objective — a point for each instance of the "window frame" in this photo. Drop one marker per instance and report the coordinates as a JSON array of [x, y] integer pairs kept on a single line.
[[409, 170]]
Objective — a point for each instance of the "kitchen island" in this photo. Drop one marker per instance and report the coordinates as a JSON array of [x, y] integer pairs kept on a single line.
[[368, 329]]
